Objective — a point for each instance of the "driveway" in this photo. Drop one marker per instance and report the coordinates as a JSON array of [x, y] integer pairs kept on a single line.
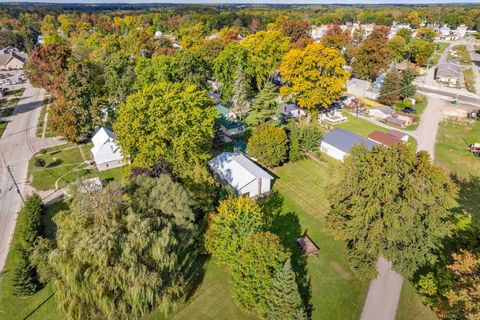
[[17, 145]]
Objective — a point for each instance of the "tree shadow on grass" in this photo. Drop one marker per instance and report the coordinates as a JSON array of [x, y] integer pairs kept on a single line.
[[287, 226], [194, 270]]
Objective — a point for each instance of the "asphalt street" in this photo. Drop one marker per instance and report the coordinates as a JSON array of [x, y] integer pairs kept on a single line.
[[17, 144]]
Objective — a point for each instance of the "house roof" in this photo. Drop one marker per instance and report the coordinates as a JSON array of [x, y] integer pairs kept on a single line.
[[4, 58], [448, 69], [287, 107], [345, 140], [236, 169], [385, 110], [384, 138], [397, 134], [230, 124], [395, 121], [359, 83], [222, 110], [104, 147]]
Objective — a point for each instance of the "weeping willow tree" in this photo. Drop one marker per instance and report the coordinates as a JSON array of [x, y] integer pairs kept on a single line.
[[120, 251]]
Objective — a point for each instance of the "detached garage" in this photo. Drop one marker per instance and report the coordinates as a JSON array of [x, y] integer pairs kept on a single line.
[[338, 143], [241, 173]]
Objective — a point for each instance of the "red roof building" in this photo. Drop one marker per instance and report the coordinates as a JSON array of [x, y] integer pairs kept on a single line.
[[384, 138]]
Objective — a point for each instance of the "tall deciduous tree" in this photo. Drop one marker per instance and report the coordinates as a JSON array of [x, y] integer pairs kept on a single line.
[[420, 51], [46, 65], [314, 76], [408, 88], [266, 50], [392, 202], [260, 258], [284, 300], [336, 38], [465, 292], [373, 55], [228, 228], [398, 46], [391, 89], [268, 144], [167, 122], [120, 254]]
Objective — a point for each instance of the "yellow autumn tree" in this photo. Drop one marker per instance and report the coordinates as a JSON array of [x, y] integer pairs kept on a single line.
[[314, 76]]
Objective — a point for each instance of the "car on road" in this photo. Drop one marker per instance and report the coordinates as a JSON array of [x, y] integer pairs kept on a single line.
[[409, 110]]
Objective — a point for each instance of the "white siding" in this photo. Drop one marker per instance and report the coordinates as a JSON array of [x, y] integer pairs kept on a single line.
[[377, 114], [251, 188], [332, 151], [266, 185], [109, 165]]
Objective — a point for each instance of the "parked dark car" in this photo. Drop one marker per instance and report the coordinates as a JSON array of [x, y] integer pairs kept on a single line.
[[409, 110]]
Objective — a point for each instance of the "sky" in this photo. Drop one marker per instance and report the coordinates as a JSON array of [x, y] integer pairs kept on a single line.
[[256, 1]]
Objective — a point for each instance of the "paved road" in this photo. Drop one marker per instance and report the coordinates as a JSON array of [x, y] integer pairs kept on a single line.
[[17, 145]]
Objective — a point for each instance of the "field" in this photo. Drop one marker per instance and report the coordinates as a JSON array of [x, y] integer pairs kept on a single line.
[[441, 46], [357, 125], [452, 148], [65, 164]]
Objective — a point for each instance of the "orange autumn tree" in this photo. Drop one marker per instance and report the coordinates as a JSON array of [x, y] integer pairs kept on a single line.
[[314, 76]]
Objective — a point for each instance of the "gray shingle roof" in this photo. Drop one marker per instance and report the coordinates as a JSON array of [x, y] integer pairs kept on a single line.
[[345, 140]]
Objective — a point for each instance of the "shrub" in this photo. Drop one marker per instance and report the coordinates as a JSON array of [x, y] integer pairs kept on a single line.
[[39, 162], [268, 144]]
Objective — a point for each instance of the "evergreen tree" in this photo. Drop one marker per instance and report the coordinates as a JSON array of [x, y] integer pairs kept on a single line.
[[240, 104], [390, 92], [284, 300], [295, 151], [24, 275], [264, 105], [29, 221], [408, 89]]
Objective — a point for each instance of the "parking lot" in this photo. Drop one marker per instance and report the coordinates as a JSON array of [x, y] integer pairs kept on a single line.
[[12, 80]]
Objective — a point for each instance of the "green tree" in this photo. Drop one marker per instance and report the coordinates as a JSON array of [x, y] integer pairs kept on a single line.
[[167, 122], [405, 34], [420, 51], [264, 105], [29, 221], [336, 38], [260, 259], [226, 66], [39, 259], [268, 144], [266, 49], [160, 68], [74, 114], [392, 202], [240, 103], [314, 76], [427, 34], [193, 69], [228, 228], [373, 55], [284, 300], [391, 89], [24, 275], [408, 88], [120, 251], [303, 138], [398, 46]]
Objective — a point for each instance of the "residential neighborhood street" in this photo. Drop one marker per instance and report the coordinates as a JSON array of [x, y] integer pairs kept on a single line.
[[17, 145]]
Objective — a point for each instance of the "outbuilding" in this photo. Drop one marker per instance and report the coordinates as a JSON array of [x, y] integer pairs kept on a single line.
[[448, 73], [384, 138], [238, 171], [338, 143], [381, 113], [105, 151]]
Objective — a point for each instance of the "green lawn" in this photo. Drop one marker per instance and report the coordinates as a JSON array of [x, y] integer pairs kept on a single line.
[[42, 304], [420, 105], [68, 167], [411, 306], [441, 46], [360, 126], [452, 148]]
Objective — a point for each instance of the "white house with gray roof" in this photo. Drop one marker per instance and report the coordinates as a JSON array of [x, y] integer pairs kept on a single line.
[[236, 170], [105, 151], [338, 143]]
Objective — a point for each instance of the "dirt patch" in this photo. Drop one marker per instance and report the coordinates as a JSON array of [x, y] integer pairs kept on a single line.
[[338, 269]]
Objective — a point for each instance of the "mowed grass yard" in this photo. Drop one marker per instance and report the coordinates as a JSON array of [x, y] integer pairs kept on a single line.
[[452, 148], [66, 163], [41, 305]]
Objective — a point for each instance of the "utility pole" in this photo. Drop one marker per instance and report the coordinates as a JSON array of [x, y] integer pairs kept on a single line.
[[15, 183]]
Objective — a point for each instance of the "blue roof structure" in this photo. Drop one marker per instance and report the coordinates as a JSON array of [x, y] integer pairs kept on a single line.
[[345, 140]]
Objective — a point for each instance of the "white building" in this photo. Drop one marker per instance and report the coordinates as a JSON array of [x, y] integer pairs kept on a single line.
[[381, 113], [338, 143], [105, 151], [362, 88], [241, 173], [461, 31], [12, 59]]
